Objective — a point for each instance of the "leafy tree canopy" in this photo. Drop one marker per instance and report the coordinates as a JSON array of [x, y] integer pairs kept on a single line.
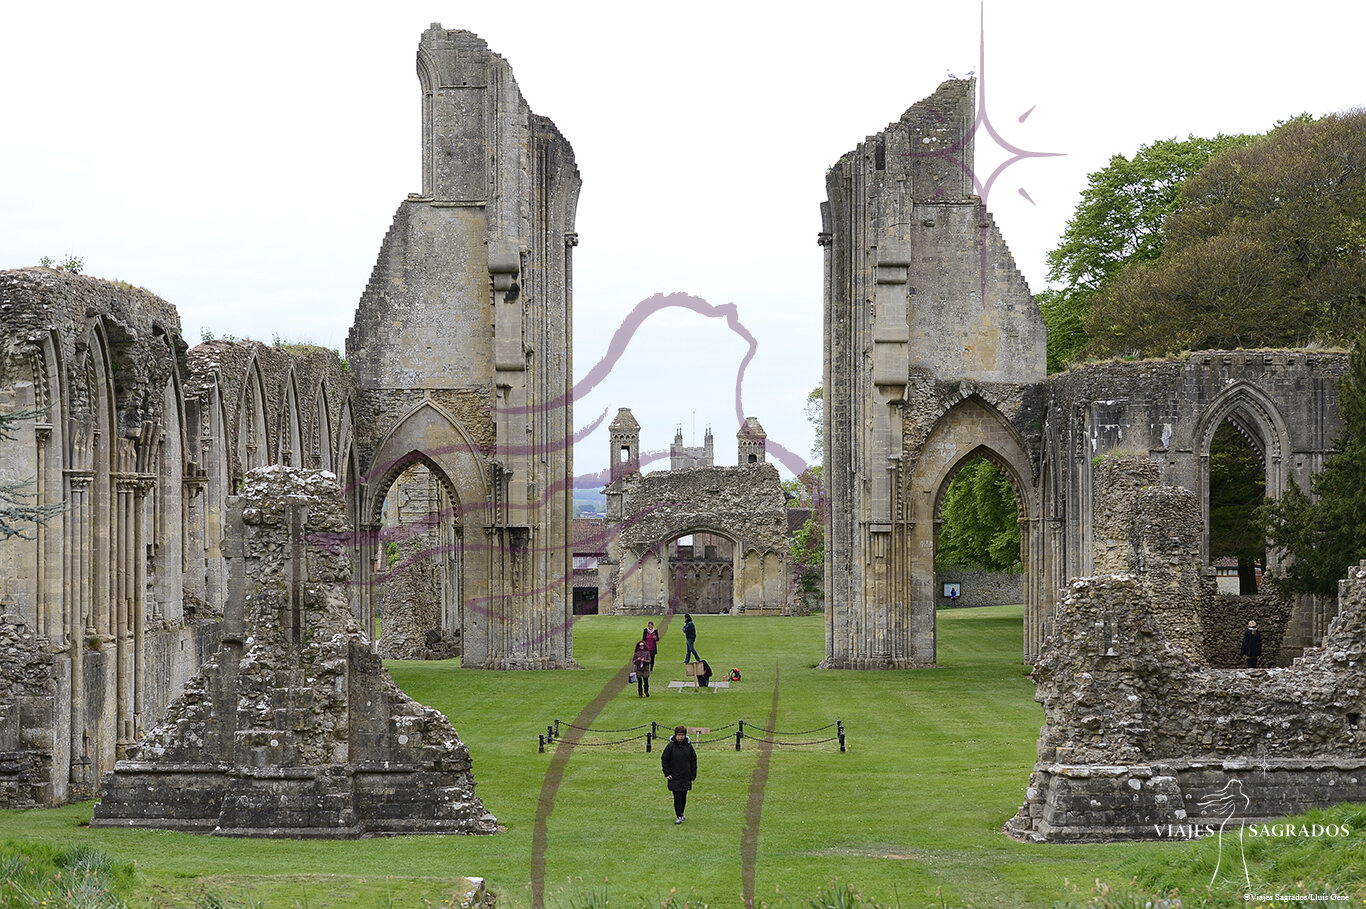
[[979, 520], [1265, 247], [1118, 221], [1326, 535]]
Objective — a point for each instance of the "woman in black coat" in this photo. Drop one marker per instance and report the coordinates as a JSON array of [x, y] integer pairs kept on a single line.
[[1252, 645], [680, 768]]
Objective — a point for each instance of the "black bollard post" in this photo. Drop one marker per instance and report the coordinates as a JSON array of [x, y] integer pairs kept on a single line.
[[648, 736], [557, 729], [550, 732], [739, 733], [542, 748], [839, 727], [654, 727]]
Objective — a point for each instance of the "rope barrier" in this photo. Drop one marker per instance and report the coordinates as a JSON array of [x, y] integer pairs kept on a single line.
[[634, 738], [773, 742], [750, 725], [595, 729], [711, 737]]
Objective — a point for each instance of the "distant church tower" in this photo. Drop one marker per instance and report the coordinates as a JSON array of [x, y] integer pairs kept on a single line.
[[683, 456], [751, 440]]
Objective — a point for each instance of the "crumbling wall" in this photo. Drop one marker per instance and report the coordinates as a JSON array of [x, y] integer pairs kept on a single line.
[[745, 505], [1153, 532], [28, 706], [1137, 735], [294, 728]]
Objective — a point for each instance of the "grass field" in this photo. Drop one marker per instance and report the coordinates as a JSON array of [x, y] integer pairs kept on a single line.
[[911, 815]]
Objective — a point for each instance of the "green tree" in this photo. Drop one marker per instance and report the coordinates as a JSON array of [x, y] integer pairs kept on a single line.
[[1266, 248], [979, 525], [1118, 221], [814, 408], [1327, 534], [1237, 489], [807, 546], [17, 509]]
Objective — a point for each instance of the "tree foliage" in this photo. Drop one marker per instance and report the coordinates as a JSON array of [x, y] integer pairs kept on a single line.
[[979, 520], [814, 408], [1118, 221], [1327, 534], [807, 547], [1266, 247], [17, 509], [1237, 489]]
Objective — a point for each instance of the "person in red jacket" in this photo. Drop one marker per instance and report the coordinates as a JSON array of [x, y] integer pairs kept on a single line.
[[651, 639]]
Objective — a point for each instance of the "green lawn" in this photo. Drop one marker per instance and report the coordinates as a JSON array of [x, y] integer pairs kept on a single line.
[[911, 815]]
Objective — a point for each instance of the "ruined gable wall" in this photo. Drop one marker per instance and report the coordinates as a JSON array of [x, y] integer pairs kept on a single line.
[[469, 306], [922, 299]]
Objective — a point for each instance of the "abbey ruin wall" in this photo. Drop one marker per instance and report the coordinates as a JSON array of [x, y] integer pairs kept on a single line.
[[114, 601]]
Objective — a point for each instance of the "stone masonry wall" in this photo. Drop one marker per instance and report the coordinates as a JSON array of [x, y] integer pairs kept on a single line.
[[27, 700], [1224, 619], [1138, 735], [981, 588], [294, 728], [1153, 532]]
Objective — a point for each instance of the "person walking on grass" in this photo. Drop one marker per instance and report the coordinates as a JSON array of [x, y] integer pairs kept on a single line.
[[651, 639], [680, 768], [690, 634], [641, 661]]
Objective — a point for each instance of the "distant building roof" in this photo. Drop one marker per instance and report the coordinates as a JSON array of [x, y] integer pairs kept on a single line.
[[589, 536]]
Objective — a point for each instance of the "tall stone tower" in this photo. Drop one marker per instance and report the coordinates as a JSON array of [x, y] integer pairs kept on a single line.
[[461, 348], [683, 456]]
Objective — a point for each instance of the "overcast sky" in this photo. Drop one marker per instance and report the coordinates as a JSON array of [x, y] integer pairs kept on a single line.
[[244, 160]]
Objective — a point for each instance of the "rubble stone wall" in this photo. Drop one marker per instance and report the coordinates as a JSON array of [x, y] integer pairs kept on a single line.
[[1138, 735], [744, 504], [294, 728], [981, 588]]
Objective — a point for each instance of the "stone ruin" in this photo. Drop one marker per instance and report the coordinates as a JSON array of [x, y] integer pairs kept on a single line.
[[1139, 732], [294, 728], [458, 380], [458, 370], [736, 515]]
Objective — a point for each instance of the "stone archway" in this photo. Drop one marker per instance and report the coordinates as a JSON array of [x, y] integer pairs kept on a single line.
[[969, 429]]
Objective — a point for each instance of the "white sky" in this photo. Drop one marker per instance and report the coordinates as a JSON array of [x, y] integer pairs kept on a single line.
[[244, 160]]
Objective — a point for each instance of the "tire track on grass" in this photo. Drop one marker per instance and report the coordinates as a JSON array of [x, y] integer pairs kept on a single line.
[[754, 806]]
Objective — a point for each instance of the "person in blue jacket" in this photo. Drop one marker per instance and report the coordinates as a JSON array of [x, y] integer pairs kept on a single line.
[[690, 633]]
